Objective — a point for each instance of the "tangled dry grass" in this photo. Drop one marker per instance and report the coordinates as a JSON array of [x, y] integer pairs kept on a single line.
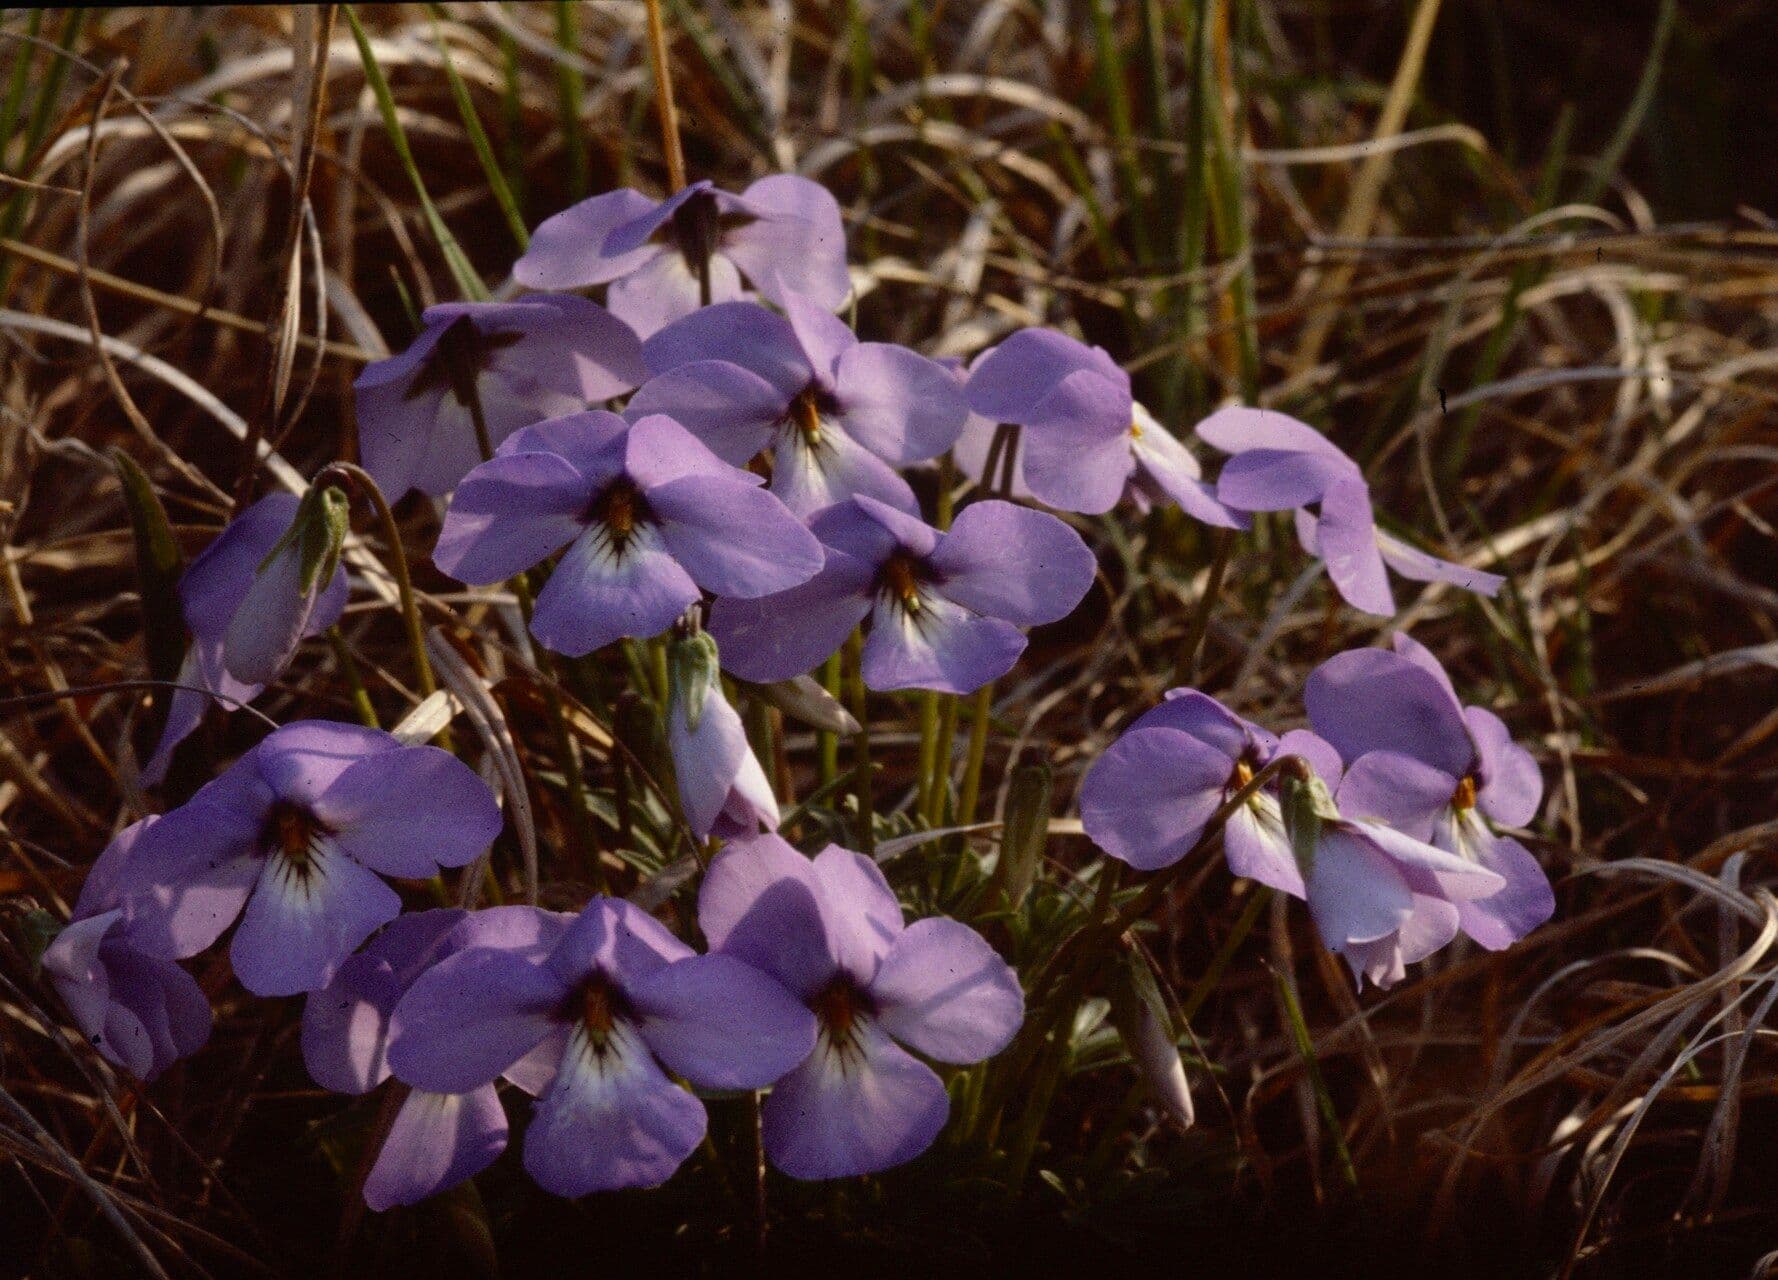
[[1532, 361]]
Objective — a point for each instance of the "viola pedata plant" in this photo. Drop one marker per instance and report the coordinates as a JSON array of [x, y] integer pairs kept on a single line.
[[701, 551]]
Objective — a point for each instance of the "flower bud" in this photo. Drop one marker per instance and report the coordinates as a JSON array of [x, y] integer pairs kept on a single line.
[[1139, 1012], [1024, 833], [274, 614]]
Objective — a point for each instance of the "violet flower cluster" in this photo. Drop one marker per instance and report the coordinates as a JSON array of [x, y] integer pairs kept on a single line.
[[713, 437], [1386, 837]]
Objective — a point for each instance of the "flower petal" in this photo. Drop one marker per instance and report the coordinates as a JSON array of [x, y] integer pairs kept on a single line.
[[508, 514], [1238, 429], [861, 912], [1366, 700], [897, 403], [823, 336], [730, 409], [809, 476], [780, 636], [303, 921], [218, 579], [1500, 919], [301, 760], [600, 593], [1512, 784], [437, 1141], [409, 812], [733, 539], [944, 991], [1011, 562], [720, 1023], [615, 938], [1347, 541], [852, 1110], [1356, 892], [1013, 378], [761, 902], [271, 621], [470, 1017], [1147, 799], [798, 244], [744, 333], [567, 250], [1432, 871], [1258, 848], [610, 1119], [942, 646], [1273, 480], [1411, 562], [665, 289], [1207, 720], [1400, 790], [1170, 466]]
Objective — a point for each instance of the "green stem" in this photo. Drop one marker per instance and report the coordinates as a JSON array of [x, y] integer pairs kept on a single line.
[[861, 766], [828, 744], [360, 479], [941, 763], [1185, 671], [925, 769], [367, 713], [980, 708]]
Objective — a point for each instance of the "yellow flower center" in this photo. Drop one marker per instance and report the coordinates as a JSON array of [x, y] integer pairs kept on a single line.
[[1464, 797]]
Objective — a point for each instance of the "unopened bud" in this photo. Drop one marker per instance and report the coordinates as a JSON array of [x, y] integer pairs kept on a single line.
[[804, 699], [1025, 832], [693, 670], [1139, 1012]]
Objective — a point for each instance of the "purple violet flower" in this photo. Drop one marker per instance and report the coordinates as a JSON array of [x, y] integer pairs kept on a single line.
[[438, 1139], [296, 834], [1147, 800], [524, 361], [1281, 464], [1420, 760], [831, 931], [224, 584], [782, 233], [1086, 442], [138, 1009], [1379, 897], [723, 791], [650, 518], [587, 1028], [944, 608], [838, 414]]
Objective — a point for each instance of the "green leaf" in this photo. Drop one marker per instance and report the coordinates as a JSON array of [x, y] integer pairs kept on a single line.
[[158, 569]]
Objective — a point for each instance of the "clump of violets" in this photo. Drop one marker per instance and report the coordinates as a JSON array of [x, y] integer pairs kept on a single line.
[[1086, 443], [831, 930], [247, 608], [943, 609], [661, 259], [136, 1007], [1420, 760], [651, 519], [591, 1027], [294, 839], [436, 1140], [838, 415], [1280, 464], [478, 372], [1382, 896]]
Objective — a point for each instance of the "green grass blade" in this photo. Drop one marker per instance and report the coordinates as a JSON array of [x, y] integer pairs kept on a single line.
[[456, 260], [478, 139]]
